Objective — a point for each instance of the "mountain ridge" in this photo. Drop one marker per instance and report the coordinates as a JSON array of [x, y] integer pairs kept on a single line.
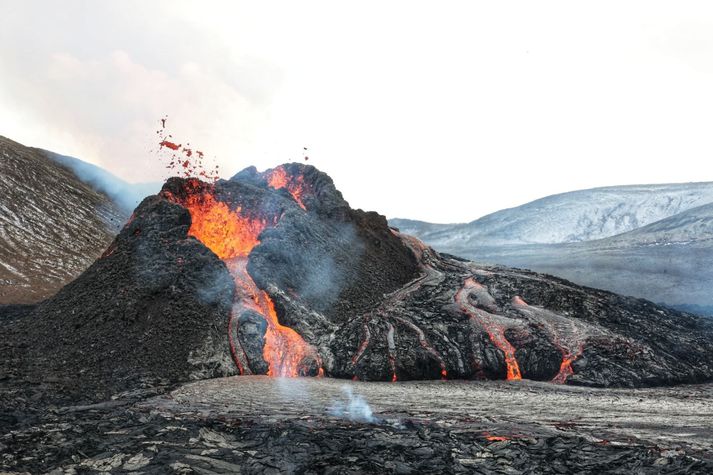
[[52, 224], [669, 260], [571, 216]]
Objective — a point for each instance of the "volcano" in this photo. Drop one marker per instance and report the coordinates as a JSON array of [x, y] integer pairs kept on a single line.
[[274, 273]]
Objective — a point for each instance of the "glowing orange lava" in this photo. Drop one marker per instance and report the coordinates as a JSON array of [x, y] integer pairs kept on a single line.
[[568, 356], [497, 438], [231, 235], [284, 348], [565, 369], [495, 331], [278, 179], [222, 230]]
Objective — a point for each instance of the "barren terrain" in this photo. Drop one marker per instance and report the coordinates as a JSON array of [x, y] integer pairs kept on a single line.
[[256, 424]]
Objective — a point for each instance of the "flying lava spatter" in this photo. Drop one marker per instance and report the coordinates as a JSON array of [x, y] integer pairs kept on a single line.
[[183, 160]]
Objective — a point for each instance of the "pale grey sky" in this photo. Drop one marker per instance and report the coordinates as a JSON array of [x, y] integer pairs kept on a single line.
[[441, 111]]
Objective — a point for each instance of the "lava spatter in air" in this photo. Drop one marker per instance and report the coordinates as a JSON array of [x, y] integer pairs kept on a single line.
[[182, 159], [232, 234], [494, 329]]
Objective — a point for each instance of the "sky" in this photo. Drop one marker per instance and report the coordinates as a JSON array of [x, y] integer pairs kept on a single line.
[[438, 111]]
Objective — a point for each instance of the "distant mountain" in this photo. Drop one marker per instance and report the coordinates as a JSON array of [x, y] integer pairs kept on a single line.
[[57, 215], [693, 225], [705, 311], [567, 217], [669, 260]]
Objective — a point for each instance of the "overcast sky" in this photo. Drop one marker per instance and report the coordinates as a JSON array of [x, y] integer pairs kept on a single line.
[[441, 111]]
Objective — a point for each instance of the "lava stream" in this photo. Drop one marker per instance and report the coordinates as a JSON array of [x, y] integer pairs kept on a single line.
[[495, 331], [284, 348], [564, 334], [364, 343]]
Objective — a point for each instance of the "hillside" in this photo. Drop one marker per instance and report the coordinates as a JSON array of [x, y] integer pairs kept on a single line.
[[669, 260], [52, 224], [567, 217]]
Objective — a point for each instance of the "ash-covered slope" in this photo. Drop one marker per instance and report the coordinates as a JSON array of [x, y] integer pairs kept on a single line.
[[52, 224], [689, 226], [275, 273], [567, 217], [153, 308]]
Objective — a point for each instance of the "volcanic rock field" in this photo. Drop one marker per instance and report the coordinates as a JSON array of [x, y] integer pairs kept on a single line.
[[272, 275]]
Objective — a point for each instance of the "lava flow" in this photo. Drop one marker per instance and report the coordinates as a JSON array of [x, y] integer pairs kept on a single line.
[[231, 235], [564, 333], [495, 331]]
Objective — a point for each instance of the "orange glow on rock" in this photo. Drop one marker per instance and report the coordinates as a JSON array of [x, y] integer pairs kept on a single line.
[[568, 355], [225, 232], [284, 348], [565, 369], [278, 179], [497, 438]]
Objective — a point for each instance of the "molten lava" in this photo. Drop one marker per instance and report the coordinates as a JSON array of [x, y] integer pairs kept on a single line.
[[284, 348], [495, 331], [497, 438], [565, 369], [225, 232], [571, 348], [231, 234], [295, 185]]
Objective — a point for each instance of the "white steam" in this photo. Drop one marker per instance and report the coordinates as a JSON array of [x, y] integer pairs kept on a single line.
[[354, 407], [126, 195]]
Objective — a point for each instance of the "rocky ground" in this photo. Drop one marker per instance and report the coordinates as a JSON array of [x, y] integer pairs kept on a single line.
[[93, 378], [255, 424]]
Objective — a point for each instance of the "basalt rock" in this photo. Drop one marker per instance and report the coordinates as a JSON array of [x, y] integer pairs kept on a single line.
[[274, 273], [154, 307]]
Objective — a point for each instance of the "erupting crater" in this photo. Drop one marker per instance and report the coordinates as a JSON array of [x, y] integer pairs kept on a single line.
[[232, 233]]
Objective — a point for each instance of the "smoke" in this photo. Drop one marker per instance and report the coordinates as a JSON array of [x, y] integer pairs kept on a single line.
[[126, 195], [354, 407]]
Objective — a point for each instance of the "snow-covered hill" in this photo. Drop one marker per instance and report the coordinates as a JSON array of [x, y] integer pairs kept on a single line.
[[568, 217], [669, 260], [52, 224]]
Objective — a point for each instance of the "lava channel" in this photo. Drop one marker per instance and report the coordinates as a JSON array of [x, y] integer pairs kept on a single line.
[[495, 330], [564, 333]]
